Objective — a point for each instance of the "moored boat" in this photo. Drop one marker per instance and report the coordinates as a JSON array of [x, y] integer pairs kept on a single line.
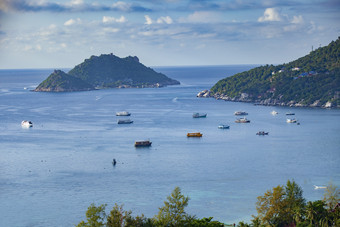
[[123, 113], [127, 121], [26, 124], [262, 133], [199, 115], [223, 126], [274, 112], [291, 120], [242, 120], [143, 143], [194, 134], [238, 113]]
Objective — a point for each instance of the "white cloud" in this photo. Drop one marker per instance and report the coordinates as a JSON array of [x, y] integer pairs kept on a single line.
[[166, 20], [111, 30], [72, 22], [121, 6], [270, 14], [297, 20], [106, 19], [148, 20], [160, 20], [77, 2], [28, 48], [200, 17]]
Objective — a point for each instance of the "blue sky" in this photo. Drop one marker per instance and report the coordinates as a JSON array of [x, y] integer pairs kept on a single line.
[[61, 34]]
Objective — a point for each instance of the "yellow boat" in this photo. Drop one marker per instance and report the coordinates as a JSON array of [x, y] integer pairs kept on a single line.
[[194, 134]]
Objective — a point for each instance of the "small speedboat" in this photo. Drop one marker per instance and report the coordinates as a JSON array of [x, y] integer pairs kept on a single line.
[[127, 121], [274, 112], [319, 187], [26, 124], [262, 133], [291, 120], [223, 126], [290, 113]]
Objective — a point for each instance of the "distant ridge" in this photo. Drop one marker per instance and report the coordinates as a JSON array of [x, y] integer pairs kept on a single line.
[[105, 71], [310, 81]]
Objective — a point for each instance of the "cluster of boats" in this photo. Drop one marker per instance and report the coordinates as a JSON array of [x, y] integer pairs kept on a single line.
[[223, 125], [147, 143], [141, 143], [124, 114], [289, 120]]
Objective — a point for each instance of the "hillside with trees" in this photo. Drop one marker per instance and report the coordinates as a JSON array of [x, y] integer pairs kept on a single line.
[[312, 80], [105, 71], [60, 81]]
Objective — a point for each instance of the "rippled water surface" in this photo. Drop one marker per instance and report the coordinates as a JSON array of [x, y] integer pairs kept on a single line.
[[51, 173]]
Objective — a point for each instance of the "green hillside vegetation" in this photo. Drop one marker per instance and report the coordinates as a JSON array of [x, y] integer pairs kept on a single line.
[[112, 71], [59, 81], [105, 71], [284, 205], [312, 80]]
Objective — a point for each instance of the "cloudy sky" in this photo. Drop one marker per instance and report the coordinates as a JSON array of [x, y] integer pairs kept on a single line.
[[62, 33]]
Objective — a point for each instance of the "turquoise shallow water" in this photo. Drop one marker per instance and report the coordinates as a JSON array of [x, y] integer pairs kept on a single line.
[[51, 173]]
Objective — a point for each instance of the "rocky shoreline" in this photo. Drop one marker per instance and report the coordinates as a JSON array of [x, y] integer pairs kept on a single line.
[[264, 102]]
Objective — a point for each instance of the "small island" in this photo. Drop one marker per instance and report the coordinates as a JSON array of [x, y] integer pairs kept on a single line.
[[105, 71], [310, 81]]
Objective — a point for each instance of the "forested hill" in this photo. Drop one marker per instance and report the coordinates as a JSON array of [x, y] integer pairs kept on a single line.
[[312, 80], [105, 71]]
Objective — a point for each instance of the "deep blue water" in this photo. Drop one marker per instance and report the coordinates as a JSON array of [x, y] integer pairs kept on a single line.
[[51, 173]]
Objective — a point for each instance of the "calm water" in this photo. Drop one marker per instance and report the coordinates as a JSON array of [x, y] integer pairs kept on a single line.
[[51, 173]]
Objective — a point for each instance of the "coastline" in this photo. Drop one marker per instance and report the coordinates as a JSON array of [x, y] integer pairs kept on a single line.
[[265, 102]]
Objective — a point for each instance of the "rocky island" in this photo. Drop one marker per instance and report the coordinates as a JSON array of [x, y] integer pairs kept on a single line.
[[105, 71], [310, 81]]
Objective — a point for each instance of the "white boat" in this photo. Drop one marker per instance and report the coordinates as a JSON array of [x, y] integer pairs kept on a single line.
[[240, 113], [199, 115], [242, 120], [274, 112], [319, 187], [127, 121], [123, 113], [291, 120], [26, 124], [223, 126]]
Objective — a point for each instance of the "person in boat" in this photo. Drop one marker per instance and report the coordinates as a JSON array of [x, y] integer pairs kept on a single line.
[[114, 162]]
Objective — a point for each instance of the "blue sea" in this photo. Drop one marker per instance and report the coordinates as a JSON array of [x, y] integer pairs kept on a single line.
[[51, 173]]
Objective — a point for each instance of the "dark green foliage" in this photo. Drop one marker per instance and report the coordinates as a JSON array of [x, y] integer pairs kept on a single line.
[[317, 79], [173, 213], [281, 206], [59, 81], [105, 71], [204, 222], [111, 71], [95, 217]]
